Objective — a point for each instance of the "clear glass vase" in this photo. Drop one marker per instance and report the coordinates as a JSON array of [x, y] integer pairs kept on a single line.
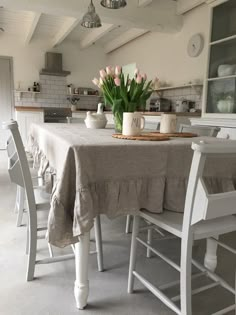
[[118, 120]]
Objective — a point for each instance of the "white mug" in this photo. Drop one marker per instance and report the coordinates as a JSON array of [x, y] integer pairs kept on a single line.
[[133, 124], [168, 123]]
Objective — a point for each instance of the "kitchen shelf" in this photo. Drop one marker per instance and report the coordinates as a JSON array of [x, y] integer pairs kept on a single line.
[[26, 92], [84, 95], [222, 78], [178, 87]]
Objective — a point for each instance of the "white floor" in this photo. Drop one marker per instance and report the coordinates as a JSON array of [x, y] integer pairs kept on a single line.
[[51, 293]]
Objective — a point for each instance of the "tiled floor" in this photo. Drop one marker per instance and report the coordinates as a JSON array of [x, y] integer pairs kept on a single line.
[[51, 293]]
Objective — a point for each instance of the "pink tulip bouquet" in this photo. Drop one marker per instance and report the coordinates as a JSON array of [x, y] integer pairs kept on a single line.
[[122, 93]]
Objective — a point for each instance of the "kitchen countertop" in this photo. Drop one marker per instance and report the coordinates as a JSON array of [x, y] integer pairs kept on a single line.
[[187, 114], [29, 109], [41, 109]]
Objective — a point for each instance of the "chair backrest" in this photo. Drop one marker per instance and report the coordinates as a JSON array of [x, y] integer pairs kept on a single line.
[[199, 204], [18, 167], [200, 130], [10, 147]]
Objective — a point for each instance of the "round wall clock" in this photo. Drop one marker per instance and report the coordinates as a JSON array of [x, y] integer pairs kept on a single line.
[[195, 45]]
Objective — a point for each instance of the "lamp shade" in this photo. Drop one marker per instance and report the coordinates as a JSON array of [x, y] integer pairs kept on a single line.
[[113, 4], [91, 19]]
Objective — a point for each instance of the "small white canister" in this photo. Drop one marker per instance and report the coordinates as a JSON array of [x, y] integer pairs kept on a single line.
[[168, 123]]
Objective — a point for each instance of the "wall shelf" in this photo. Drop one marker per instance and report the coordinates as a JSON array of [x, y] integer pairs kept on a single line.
[[20, 92], [84, 95], [178, 87]]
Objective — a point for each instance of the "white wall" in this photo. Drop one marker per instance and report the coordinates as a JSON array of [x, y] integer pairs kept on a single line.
[[29, 60], [165, 55]]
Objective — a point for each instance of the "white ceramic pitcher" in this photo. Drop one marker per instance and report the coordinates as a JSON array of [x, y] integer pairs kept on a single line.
[[168, 123]]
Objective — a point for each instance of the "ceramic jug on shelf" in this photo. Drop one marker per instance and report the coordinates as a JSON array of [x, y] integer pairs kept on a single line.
[[168, 123]]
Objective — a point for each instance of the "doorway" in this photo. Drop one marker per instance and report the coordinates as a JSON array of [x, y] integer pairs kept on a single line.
[[6, 96]]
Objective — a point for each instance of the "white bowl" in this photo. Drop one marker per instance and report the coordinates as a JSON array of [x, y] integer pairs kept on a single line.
[[226, 70], [95, 123]]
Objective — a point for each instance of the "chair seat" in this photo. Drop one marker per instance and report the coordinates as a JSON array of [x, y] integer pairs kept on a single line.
[[172, 222]]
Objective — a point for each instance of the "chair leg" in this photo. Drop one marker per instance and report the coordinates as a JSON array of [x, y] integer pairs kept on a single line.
[[27, 241], [32, 226], [98, 239], [50, 250], [185, 276], [149, 241], [17, 199], [20, 205], [132, 262], [128, 223]]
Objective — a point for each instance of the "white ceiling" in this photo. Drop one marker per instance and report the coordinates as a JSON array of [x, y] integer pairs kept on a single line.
[[59, 20]]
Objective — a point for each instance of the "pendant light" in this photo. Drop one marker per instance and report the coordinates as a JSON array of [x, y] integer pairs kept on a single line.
[[91, 18], [113, 4]]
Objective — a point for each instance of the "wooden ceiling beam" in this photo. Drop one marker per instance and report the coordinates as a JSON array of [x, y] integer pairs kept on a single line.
[[95, 35], [32, 27], [124, 38], [67, 27]]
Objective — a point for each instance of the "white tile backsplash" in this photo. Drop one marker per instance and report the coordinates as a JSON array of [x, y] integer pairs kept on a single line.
[[53, 93], [189, 93]]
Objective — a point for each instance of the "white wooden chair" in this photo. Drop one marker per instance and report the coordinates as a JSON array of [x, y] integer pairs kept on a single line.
[[19, 173], [205, 216], [200, 130]]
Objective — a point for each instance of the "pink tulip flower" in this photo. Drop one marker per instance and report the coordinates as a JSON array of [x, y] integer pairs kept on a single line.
[[139, 79], [136, 72], [100, 82], [95, 81], [118, 70], [144, 76], [103, 74], [109, 70], [117, 81]]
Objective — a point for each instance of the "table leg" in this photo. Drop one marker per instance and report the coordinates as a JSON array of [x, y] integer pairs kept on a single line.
[[98, 237], [210, 260], [81, 288]]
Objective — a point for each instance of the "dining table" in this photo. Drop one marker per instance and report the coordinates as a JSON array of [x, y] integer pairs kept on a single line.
[[98, 174]]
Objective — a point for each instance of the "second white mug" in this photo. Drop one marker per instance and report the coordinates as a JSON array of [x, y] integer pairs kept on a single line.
[[133, 124]]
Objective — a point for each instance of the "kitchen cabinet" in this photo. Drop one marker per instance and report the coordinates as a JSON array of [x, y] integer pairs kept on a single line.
[[25, 119], [220, 83], [184, 6]]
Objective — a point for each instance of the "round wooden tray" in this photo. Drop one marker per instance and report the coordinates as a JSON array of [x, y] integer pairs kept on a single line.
[[142, 137], [175, 134]]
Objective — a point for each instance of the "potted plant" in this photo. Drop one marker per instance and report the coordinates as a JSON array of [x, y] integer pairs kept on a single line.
[[122, 93]]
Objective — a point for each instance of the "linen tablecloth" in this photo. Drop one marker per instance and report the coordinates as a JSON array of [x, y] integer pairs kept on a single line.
[[98, 174]]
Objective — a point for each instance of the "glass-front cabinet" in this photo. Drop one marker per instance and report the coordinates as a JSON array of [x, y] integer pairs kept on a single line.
[[220, 87]]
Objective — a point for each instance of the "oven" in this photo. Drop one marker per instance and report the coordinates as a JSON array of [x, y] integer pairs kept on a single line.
[[56, 114]]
